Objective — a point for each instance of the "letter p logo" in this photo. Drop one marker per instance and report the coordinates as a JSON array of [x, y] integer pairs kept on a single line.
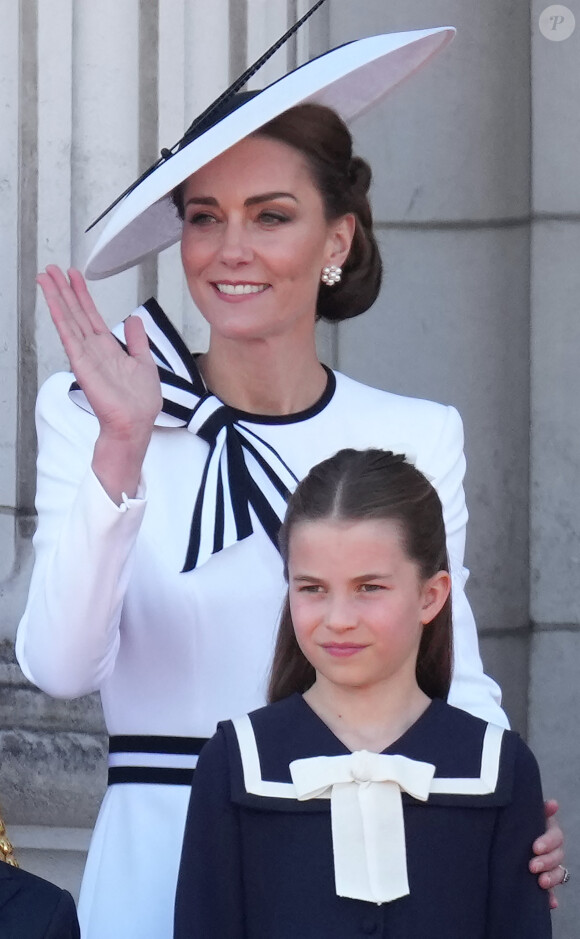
[[557, 22]]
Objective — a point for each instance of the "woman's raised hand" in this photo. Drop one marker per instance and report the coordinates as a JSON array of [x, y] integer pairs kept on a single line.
[[122, 387]]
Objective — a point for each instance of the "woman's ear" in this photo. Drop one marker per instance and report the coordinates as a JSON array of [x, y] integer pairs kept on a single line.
[[435, 592], [340, 238]]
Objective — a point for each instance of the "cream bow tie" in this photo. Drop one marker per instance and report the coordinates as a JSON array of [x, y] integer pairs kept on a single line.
[[368, 829]]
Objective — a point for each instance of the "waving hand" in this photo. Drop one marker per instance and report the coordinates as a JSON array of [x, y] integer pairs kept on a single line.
[[121, 387]]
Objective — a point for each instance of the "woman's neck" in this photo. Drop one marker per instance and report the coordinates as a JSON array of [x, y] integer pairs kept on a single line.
[[367, 718], [264, 376]]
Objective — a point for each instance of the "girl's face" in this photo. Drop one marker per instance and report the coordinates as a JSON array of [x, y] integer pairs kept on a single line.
[[255, 240], [357, 601]]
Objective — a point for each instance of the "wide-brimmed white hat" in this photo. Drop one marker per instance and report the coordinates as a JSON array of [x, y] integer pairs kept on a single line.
[[350, 79]]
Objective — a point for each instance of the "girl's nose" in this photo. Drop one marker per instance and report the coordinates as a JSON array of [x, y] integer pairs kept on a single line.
[[340, 615]]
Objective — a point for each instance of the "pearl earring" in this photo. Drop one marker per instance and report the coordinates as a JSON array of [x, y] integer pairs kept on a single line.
[[331, 275]]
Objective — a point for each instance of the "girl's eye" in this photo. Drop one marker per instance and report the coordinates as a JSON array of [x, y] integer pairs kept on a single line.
[[310, 588], [370, 588]]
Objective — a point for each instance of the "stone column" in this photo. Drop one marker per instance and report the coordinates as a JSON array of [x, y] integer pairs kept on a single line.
[[555, 442], [450, 152]]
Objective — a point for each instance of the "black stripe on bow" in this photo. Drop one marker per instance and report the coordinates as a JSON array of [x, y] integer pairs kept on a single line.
[[240, 485], [272, 476], [169, 331], [243, 489], [219, 524], [238, 479]]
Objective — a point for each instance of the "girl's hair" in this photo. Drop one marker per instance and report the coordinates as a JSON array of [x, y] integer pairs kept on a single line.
[[343, 180], [362, 485]]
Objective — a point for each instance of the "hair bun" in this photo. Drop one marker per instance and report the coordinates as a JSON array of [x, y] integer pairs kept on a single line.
[[359, 174]]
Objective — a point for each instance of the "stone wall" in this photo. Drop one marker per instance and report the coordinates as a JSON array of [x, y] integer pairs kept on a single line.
[[554, 689]]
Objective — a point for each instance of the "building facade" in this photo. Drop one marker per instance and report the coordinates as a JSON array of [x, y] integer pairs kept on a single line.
[[476, 195]]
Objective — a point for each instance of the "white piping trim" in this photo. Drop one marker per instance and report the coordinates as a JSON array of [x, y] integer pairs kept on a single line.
[[251, 765], [487, 781], [484, 784]]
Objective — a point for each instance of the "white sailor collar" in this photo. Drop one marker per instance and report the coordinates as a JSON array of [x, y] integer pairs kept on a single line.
[[473, 760], [285, 759]]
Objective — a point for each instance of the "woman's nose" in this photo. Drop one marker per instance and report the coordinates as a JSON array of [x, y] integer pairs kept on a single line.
[[235, 246]]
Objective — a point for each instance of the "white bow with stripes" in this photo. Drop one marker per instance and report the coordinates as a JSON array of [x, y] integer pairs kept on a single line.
[[242, 472]]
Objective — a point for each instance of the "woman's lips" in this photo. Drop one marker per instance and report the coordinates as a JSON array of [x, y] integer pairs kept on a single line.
[[239, 289]]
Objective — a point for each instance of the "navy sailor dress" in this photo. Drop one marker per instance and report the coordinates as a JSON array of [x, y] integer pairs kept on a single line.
[[259, 862]]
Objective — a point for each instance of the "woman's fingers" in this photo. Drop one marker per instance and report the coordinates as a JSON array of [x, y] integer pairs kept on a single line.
[[551, 806], [122, 387], [63, 286], [549, 866], [70, 301], [549, 846], [66, 323], [136, 338], [72, 308], [549, 852], [64, 306], [79, 287]]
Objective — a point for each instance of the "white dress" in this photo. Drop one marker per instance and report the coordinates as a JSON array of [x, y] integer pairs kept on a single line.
[[173, 653]]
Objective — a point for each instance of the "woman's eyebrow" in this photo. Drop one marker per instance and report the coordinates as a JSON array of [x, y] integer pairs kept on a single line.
[[202, 200], [252, 200], [268, 196]]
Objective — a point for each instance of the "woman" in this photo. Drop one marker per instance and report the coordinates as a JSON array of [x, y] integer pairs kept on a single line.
[[157, 580]]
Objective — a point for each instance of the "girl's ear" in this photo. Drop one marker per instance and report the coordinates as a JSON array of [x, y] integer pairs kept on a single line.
[[340, 239], [435, 593]]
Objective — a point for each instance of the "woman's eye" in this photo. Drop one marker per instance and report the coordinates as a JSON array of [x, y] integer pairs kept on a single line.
[[273, 218], [201, 218], [370, 588], [310, 588]]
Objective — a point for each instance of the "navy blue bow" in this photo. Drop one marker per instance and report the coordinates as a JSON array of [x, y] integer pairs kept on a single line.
[[242, 472]]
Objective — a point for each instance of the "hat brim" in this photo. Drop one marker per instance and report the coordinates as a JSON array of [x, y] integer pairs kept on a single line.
[[349, 79]]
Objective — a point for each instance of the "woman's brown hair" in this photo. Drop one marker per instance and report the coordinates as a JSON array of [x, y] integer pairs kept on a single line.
[[361, 485], [343, 181]]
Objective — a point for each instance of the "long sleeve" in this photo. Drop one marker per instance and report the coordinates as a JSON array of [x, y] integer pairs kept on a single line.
[[471, 689], [517, 907], [69, 635], [209, 899]]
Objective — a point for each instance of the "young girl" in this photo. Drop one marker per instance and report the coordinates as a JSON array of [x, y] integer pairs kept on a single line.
[[359, 802]]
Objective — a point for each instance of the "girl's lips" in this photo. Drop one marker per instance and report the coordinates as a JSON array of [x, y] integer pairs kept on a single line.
[[342, 650]]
